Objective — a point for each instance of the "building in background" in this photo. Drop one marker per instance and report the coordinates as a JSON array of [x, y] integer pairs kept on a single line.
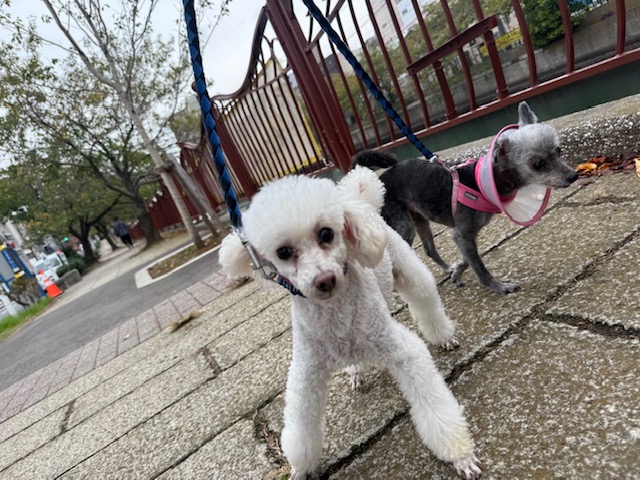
[[404, 12]]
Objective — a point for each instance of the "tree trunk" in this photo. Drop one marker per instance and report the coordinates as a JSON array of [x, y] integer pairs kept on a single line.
[[107, 236], [83, 236], [149, 230], [166, 178], [89, 256], [197, 197]]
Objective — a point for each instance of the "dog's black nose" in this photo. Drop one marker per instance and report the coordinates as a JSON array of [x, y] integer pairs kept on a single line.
[[573, 177], [325, 281]]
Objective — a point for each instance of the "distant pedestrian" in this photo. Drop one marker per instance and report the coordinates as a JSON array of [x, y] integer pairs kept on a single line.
[[122, 230]]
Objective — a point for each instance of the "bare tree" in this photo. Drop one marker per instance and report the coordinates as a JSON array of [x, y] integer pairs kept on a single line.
[[120, 50]]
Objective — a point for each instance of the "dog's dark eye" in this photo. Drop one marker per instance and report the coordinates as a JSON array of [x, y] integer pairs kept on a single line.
[[284, 253], [325, 235], [538, 164], [559, 151]]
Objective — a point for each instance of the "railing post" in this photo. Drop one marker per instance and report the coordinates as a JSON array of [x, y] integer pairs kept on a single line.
[[324, 110]]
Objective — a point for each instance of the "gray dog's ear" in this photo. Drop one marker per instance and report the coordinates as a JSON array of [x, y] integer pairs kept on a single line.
[[526, 115], [501, 151]]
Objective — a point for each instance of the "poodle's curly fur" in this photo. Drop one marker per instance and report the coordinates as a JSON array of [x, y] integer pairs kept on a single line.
[[331, 243]]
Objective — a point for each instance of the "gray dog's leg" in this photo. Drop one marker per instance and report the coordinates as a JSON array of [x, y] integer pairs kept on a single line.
[[426, 235], [466, 242]]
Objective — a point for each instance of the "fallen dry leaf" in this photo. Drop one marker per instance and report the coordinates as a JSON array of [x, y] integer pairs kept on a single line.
[[598, 160], [586, 168], [597, 166]]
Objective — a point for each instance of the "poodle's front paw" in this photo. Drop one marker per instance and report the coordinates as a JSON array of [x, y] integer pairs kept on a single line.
[[297, 475], [450, 344], [469, 468]]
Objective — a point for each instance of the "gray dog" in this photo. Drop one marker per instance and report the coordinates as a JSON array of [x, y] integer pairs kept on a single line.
[[419, 191]]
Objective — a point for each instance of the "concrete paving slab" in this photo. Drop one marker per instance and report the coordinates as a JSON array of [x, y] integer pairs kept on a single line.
[[144, 379], [618, 187], [30, 439], [540, 259], [236, 452], [54, 457], [229, 312], [352, 418], [81, 386], [181, 429], [113, 421], [551, 402], [252, 334], [610, 295]]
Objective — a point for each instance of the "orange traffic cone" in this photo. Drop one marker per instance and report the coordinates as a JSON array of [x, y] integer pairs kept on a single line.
[[52, 289]]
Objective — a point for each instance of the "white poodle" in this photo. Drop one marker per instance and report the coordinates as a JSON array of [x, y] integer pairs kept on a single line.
[[331, 243]]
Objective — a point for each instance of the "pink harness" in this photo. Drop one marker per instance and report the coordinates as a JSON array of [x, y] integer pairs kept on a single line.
[[488, 200], [471, 198]]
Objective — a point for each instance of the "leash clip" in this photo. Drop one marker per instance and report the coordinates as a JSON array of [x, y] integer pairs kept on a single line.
[[267, 269]]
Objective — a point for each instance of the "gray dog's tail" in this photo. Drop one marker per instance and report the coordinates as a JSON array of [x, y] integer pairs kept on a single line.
[[369, 158]]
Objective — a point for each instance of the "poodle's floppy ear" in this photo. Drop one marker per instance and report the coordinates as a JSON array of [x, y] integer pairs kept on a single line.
[[365, 233], [526, 115], [362, 195], [234, 258]]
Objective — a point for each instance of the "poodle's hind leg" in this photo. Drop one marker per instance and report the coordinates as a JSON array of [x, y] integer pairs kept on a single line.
[[415, 283], [305, 405], [436, 414]]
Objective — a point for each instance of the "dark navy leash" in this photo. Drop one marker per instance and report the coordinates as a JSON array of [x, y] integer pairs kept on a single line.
[[369, 83]]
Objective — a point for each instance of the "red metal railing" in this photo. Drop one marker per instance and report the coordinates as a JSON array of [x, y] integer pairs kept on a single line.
[[301, 109]]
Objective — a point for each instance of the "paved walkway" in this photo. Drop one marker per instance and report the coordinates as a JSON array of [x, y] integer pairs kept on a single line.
[[548, 376], [59, 374]]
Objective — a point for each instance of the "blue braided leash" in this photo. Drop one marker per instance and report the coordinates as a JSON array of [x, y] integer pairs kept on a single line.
[[218, 156], [366, 79], [207, 114]]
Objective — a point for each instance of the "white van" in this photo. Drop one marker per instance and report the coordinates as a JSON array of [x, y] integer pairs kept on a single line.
[[49, 264]]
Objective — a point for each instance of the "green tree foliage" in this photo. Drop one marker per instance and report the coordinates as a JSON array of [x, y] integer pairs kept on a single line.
[[107, 99], [545, 21], [61, 199]]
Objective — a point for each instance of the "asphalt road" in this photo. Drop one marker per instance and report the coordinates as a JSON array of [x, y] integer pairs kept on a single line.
[[73, 325]]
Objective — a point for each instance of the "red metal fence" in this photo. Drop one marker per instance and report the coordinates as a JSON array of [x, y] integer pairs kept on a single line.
[[301, 109]]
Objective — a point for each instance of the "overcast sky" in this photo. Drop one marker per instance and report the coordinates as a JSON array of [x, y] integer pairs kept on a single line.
[[225, 55], [225, 52]]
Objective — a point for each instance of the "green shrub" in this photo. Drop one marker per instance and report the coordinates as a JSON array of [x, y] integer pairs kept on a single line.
[[73, 262], [70, 252], [545, 22]]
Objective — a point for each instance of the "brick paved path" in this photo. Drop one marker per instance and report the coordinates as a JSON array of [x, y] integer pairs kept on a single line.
[[134, 331]]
